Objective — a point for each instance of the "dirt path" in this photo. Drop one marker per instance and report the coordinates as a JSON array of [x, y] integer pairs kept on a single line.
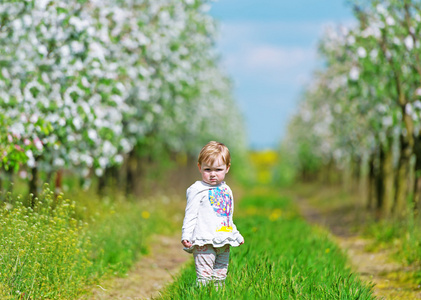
[[148, 276], [389, 278]]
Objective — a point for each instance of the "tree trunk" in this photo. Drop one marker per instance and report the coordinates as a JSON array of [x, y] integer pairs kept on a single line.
[[103, 182], [131, 172], [402, 189], [114, 173], [356, 164], [358, 169], [145, 166], [417, 176], [325, 173], [108, 180], [388, 182], [58, 183], [417, 193], [356, 173], [362, 181], [33, 183], [371, 191], [379, 185], [347, 175]]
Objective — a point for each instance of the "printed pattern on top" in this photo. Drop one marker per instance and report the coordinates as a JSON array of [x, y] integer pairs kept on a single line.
[[221, 202]]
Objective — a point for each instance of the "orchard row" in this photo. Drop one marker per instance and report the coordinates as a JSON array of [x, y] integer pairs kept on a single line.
[[363, 110]]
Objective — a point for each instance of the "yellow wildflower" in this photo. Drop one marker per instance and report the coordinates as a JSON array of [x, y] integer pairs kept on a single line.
[[145, 214]]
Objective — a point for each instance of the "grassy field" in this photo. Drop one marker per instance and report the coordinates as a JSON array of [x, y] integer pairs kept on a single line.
[[58, 248], [282, 258]]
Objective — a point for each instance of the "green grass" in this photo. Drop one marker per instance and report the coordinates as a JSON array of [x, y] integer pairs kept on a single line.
[[282, 258]]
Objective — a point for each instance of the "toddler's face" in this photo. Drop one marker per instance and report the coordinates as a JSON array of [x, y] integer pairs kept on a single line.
[[213, 174]]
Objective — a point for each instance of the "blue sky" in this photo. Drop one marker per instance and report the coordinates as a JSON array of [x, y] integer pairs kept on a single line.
[[269, 49]]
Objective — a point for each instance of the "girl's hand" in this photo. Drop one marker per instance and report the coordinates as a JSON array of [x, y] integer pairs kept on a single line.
[[186, 243]]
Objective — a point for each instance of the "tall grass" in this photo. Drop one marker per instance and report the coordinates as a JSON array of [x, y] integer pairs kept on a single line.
[[54, 248], [44, 250], [403, 236], [282, 258]]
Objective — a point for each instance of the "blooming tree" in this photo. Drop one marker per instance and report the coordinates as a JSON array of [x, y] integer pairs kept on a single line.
[[83, 83]]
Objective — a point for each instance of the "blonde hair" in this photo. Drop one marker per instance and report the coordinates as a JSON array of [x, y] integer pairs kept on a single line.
[[212, 151]]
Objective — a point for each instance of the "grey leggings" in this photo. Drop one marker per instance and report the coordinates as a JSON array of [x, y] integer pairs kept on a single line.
[[211, 263]]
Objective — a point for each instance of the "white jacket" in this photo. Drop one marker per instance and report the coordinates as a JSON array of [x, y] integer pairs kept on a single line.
[[208, 217]]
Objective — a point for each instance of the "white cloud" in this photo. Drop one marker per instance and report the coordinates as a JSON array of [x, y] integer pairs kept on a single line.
[[240, 31], [267, 57], [277, 64], [277, 51]]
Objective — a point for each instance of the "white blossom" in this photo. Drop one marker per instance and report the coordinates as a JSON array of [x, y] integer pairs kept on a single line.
[[23, 174], [42, 4], [390, 21], [118, 159], [108, 149], [387, 121], [99, 172], [373, 54], [38, 144], [381, 9], [354, 73], [33, 118], [102, 162], [396, 41], [408, 109], [409, 42], [361, 52], [77, 47], [77, 122], [92, 134], [59, 162], [417, 104]]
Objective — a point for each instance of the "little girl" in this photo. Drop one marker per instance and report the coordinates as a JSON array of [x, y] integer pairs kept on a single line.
[[208, 230]]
